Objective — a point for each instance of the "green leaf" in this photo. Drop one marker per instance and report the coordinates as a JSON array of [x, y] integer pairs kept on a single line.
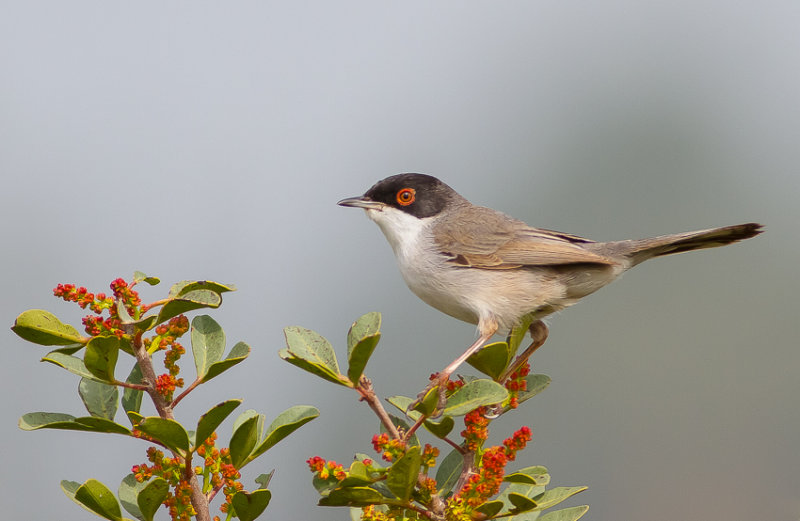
[[535, 383], [245, 436], [73, 364], [183, 287], [362, 338], [353, 496], [152, 497], [521, 503], [310, 351], [101, 357], [359, 356], [55, 420], [94, 497], [208, 343], [134, 417], [132, 398], [100, 399], [441, 428], [491, 360], [536, 475], [448, 472], [189, 301], [517, 333], [209, 422], [357, 476], [366, 325], [264, 479], [554, 496], [475, 394], [44, 328], [283, 425], [138, 276], [239, 352], [128, 491], [169, 432], [142, 500], [567, 514], [403, 474], [248, 506], [490, 508]]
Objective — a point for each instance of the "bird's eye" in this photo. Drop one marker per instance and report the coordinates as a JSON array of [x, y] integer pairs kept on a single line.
[[406, 196]]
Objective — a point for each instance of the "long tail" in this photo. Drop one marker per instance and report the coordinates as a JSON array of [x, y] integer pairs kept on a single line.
[[643, 249]]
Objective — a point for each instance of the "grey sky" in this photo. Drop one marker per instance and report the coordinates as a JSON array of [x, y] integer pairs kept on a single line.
[[211, 140]]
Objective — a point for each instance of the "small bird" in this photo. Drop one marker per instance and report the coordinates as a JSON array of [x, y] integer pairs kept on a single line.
[[486, 268]]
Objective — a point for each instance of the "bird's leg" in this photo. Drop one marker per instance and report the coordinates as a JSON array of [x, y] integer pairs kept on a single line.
[[487, 329], [539, 333]]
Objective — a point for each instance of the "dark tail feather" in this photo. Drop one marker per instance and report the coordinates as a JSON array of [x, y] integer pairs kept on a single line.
[[641, 250]]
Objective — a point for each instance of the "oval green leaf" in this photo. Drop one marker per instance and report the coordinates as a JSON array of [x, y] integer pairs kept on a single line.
[[248, 506], [490, 508], [244, 438], [491, 360], [169, 432], [284, 424], [185, 286], [209, 422], [521, 503], [567, 514], [355, 497], [365, 326], [208, 343], [73, 364], [189, 301], [238, 353], [97, 498], [311, 346], [99, 399], [403, 473], [132, 398], [55, 420], [151, 497], [475, 394], [449, 471], [101, 356], [554, 496], [44, 328]]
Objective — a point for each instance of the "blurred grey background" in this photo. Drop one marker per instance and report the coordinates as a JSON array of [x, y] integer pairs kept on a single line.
[[211, 140]]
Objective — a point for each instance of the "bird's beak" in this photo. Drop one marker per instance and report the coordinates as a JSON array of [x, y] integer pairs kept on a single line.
[[361, 202]]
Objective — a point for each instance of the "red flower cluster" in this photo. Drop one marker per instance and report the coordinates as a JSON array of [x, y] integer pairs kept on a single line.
[[171, 469], [166, 384], [218, 471], [516, 383], [326, 470], [390, 449], [97, 325], [477, 429], [486, 482], [429, 455], [166, 339]]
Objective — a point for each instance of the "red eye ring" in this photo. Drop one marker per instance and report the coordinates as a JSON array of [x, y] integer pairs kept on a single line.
[[406, 196]]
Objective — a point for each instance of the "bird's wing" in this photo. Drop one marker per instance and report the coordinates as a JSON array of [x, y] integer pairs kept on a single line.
[[510, 244]]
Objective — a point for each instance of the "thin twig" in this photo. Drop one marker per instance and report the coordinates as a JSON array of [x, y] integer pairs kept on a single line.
[[367, 393], [185, 392]]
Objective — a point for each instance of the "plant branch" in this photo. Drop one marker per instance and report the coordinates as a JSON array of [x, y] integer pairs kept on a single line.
[[199, 501], [367, 392], [185, 392]]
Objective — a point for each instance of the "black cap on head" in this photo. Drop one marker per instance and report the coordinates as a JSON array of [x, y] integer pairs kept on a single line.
[[420, 195]]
